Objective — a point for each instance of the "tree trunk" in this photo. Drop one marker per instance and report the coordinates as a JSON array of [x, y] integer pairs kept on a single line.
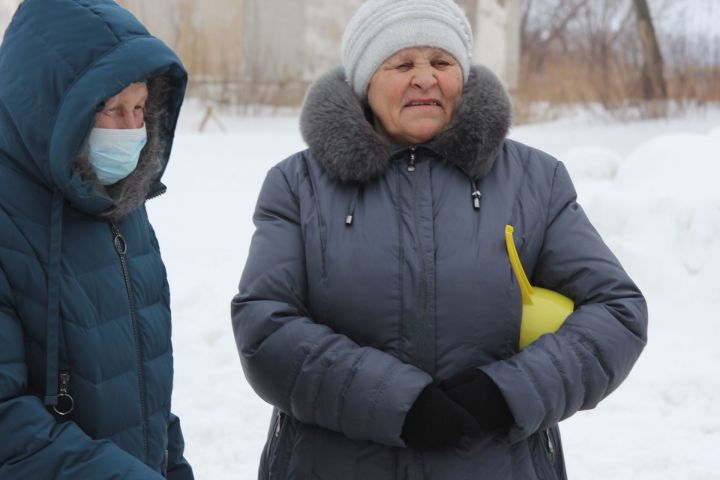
[[652, 77]]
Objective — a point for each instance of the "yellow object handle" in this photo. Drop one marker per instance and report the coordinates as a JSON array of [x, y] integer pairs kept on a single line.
[[543, 311], [525, 288]]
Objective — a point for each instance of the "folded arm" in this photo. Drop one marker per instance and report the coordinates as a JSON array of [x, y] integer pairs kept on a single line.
[[595, 349]]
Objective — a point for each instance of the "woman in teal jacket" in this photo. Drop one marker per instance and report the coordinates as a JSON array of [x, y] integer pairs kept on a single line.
[[89, 101]]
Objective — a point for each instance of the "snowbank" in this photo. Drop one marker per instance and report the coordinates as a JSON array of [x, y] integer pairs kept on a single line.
[[649, 190]]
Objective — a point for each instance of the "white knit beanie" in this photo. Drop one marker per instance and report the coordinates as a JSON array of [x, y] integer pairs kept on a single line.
[[380, 28]]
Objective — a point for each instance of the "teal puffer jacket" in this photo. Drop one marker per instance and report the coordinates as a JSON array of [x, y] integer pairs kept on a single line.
[[83, 314]]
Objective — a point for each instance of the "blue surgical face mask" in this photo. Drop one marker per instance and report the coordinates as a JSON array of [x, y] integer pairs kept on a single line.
[[114, 153]]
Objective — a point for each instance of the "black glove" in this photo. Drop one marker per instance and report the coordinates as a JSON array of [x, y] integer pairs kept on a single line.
[[435, 421], [475, 391]]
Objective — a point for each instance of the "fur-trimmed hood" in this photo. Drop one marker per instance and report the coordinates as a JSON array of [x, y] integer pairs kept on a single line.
[[337, 127], [66, 79], [143, 183]]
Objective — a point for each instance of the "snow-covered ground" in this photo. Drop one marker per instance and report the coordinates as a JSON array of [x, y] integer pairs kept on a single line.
[[649, 187]]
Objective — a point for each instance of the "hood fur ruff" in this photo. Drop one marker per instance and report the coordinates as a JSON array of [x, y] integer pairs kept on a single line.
[[334, 123]]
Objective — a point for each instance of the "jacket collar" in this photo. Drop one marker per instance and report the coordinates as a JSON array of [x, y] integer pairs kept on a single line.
[[337, 127]]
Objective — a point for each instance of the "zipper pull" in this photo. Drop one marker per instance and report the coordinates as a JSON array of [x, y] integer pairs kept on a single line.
[[550, 446], [118, 240], [65, 383], [278, 425], [411, 165], [476, 199], [66, 403]]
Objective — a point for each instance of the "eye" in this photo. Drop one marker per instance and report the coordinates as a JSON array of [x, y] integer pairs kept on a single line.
[[404, 67], [140, 108], [441, 63]]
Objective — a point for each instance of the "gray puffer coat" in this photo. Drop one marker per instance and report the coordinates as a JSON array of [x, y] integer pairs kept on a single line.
[[368, 279]]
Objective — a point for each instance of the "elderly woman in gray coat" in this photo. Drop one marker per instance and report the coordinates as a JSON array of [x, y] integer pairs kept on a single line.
[[378, 311]]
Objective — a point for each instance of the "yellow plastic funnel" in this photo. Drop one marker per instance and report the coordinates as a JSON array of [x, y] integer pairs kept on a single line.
[[544, 311]]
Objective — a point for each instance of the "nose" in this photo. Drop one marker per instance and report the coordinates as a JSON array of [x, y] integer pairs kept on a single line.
[[424, 78], [130, 119]]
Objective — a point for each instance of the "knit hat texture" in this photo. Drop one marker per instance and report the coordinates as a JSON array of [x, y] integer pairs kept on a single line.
[[380, 28]]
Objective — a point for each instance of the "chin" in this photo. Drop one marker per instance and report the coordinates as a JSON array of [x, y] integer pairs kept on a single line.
[[423, 135]]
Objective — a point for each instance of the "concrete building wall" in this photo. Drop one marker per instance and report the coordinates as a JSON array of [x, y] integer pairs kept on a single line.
[[209, 36], [275, 40], [496, 26], [325, 23]]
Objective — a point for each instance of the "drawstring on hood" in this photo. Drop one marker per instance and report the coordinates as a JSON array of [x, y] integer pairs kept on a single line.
[[53, 304]]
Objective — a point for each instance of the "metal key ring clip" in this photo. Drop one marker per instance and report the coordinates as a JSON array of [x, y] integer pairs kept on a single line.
[[66, 409]]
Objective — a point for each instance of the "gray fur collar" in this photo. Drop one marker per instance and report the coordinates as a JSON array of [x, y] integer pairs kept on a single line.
[[335, 124]]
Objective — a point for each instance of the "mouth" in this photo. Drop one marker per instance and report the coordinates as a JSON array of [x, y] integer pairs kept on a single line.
[[424, 102]]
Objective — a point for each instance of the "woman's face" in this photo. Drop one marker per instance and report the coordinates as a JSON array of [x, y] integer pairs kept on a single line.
[[125, 110], [414, 93]]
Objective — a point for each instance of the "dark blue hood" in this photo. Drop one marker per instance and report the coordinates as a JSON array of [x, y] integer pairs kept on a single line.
[[53, 81]]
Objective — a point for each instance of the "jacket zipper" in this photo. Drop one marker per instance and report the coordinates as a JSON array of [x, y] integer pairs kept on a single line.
[[411, 164], [429, 367], [121, 249], [66, 403]]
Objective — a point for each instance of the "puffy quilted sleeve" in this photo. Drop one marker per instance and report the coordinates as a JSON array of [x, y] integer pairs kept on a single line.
[[594, 351], [298, 365], [33, 444]]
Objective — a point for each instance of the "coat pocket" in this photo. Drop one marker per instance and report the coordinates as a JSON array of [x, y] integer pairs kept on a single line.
[[546, 453], [278, 448]]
